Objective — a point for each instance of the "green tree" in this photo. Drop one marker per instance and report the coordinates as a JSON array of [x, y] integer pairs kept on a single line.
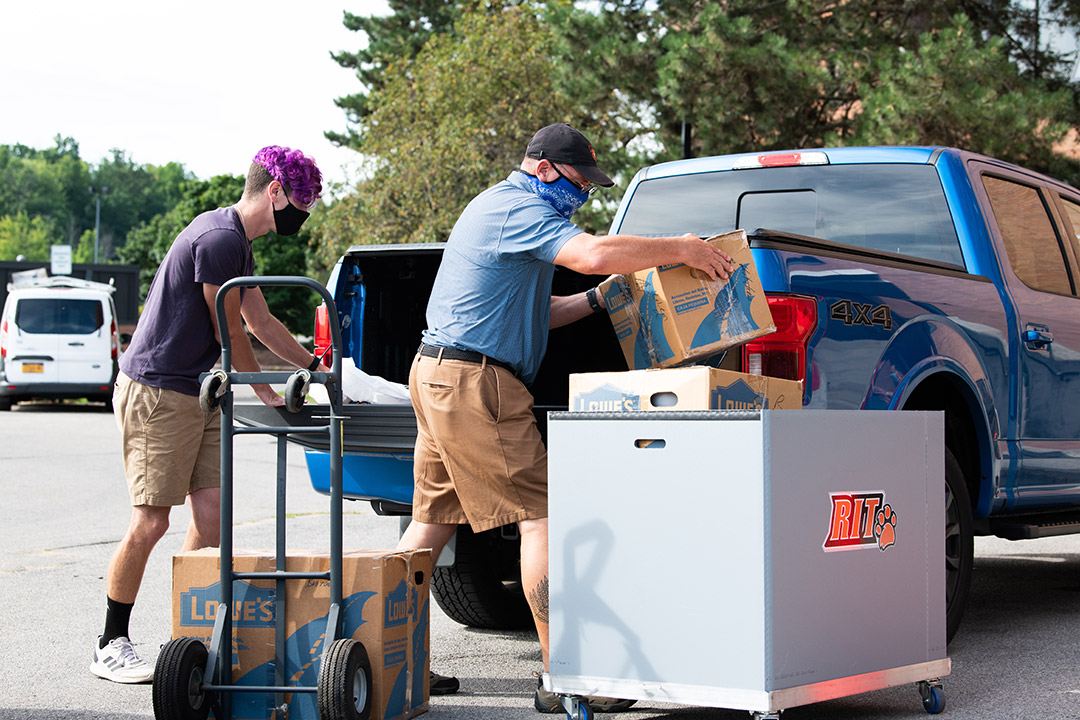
[[131, 194], [52, 184], [957, 91], [31, 237], [391, 38], [745, 76], [447, 124]]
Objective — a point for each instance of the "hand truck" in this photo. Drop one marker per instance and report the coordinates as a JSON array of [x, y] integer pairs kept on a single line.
[[190, 679]]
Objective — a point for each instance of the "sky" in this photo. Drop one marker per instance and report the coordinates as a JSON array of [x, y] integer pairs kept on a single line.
[[205, 84]]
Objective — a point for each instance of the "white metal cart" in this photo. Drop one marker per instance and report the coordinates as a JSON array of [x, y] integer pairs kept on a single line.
[[746, 560]]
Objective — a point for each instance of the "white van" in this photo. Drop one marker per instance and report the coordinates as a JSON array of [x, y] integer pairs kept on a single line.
[[58, 339]]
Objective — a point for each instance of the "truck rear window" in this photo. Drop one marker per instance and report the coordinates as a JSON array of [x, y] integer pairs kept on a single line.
[[59, 316], [892, 208]]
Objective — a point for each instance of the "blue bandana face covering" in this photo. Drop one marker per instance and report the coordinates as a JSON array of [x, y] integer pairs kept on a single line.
[[562, 194]]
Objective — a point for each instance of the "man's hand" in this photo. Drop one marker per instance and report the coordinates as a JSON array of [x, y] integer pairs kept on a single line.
[[267, 395], [706, 256]]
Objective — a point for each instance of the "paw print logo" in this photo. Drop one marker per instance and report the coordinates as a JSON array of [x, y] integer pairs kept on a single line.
[[885, 527]]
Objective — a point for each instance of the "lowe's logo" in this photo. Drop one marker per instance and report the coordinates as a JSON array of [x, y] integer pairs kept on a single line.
[[606, 398], [397, 606], [252, 606], [738, 396]]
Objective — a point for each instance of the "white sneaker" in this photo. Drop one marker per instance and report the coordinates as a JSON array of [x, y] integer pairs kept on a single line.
[[119, 662]]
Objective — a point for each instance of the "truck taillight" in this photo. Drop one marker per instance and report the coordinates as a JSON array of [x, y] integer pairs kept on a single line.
[[323, 341], [3, 339], [782, 354], [114, 335]]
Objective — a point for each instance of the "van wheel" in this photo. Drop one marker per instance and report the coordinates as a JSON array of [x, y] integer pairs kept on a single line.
[[5, 403], [959, 544], [482, 589]]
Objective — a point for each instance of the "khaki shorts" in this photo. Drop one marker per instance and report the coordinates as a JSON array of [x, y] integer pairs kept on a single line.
[[479, 457], [171, 447]]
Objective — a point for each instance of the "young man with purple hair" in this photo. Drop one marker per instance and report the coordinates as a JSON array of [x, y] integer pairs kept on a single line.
[[171, 447]]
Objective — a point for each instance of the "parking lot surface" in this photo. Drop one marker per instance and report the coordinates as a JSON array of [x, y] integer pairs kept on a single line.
[[65, 506]]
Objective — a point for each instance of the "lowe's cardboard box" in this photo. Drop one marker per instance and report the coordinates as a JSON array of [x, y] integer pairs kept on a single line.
[[689, 388], [385, 606], [674, 314]]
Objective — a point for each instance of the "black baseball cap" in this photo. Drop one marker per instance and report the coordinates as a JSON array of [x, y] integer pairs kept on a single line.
[[563, 144]]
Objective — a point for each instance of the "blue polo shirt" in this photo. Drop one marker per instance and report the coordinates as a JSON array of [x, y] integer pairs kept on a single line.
[[492, 293]]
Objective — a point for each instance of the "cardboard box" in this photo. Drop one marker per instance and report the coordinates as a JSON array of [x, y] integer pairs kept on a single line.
[[690, 388], [385, 606], [673, 314]]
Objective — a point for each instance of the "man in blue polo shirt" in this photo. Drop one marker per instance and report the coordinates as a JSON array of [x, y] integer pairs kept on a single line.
[[479, 458]]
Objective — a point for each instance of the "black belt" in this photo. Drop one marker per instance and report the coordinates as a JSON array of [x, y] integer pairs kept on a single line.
[[466, 355]]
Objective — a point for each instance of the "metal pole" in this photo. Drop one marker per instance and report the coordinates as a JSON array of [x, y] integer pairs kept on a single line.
[[97, 226]]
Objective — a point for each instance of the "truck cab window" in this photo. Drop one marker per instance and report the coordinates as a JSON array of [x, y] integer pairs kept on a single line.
[[896, 208], [1034, 251]]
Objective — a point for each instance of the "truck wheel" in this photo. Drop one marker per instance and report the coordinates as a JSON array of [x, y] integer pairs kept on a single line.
[[482, 589], [959, 544], [5, 404]]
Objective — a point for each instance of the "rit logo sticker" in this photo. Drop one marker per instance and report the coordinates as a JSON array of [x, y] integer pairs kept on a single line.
[[860, 520]]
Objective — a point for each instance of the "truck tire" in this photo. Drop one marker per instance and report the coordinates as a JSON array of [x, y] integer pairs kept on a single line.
[[959, 544], [482, 589]]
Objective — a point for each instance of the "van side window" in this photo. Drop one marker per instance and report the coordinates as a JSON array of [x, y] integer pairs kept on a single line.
[[1034, 250], [59, 316]]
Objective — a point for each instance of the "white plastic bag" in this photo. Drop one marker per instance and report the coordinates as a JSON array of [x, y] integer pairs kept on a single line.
[[357, 386]]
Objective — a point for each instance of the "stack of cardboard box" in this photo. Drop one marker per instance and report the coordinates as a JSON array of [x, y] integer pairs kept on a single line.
[[667, 318]]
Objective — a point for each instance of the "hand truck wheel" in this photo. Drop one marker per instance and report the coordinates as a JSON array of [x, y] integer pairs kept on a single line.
[[296, 390], [344, 689], [178, 678], [214, 386]]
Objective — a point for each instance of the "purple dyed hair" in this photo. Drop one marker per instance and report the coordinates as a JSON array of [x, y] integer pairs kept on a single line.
[[297, 172]]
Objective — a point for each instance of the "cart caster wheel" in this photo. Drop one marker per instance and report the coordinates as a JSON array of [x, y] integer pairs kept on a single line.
[[213, 388], [584, 712], [178, 678], [296, 390], [933, 696], [344, 690]]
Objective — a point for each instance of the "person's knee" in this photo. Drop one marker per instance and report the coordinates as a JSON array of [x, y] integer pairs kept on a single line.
[[148, 525]]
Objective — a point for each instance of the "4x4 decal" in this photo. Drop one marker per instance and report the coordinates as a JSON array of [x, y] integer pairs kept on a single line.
[[853, 313]]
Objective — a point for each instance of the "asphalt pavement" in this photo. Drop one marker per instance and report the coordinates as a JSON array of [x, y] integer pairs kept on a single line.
[[65, 507]]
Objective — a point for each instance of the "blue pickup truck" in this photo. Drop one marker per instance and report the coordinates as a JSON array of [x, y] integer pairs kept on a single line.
[[900, 278]]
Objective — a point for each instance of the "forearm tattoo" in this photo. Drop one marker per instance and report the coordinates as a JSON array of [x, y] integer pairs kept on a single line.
[[538, 598]]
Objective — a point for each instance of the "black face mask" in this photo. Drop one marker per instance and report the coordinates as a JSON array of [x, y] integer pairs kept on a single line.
[[288, 220]]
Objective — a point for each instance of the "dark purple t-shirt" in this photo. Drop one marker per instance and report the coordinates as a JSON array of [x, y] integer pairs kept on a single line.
[[174, 341]]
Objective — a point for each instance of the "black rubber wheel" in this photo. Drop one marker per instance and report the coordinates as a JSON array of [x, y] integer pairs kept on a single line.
[[5, 404], [209, 400], [296, 390], [178, 677], [959, 544], [344, 690], [482, 589]]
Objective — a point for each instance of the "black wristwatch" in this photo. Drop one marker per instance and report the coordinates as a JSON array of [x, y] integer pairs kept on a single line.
[[590, 294], [315, 362]]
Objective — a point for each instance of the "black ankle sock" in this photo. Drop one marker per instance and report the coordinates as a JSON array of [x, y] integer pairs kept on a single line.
[[116, 621]]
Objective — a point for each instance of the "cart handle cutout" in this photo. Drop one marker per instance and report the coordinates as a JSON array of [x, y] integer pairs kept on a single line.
[[664, 399], [650, 444]]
